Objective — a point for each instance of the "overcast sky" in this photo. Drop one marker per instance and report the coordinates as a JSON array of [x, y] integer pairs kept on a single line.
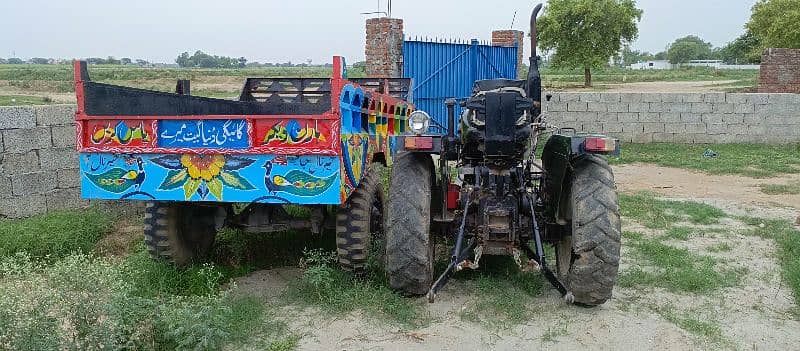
[[280, 31]]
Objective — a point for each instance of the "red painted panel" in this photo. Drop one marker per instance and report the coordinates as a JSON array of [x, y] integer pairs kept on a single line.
[[293, 132], [119, 133]]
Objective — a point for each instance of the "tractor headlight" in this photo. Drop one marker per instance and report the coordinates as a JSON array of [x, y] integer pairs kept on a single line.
[[418, 122]]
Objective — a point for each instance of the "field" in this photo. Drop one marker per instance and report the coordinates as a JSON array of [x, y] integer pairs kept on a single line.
[[43, 84], [709, 261]]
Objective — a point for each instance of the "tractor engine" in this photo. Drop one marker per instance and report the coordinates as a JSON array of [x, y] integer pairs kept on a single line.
[[495, 137]]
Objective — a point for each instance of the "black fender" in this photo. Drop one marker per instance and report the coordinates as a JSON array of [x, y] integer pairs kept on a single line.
[[559, 153]]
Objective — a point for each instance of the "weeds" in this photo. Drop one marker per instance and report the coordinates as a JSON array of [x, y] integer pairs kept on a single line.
[[693, 323], [787, 238], [324, 285], [54, 235]]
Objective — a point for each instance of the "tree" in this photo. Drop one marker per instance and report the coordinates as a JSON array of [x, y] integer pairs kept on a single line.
[[125, 61], [629, 56], [775, 23], [202, 59], [745, 49], [587, 33], [39, 60], [688, 48], [15, 61]]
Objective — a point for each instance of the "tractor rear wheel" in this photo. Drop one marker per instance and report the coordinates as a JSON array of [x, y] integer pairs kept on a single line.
[[360, 233], [180, 233], [588, 260], [409, 245]]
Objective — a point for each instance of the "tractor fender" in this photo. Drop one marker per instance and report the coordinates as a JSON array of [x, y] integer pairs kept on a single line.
[[560, 151]]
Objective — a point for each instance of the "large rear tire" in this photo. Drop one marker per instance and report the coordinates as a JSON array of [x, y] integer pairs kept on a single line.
[[180, 233], [588, 260], [409, 246], [360, 233]]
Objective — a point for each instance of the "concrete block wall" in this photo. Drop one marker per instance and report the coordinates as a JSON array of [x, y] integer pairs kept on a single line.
[[780, 71], [38, 161], [680, 117]]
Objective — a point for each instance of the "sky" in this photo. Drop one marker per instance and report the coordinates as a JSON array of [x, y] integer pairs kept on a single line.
[[298, 30]]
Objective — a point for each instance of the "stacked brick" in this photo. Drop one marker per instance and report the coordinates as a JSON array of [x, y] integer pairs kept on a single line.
[[384, 47], [780, 71], [511, 38], [681, 117], [38, 161]]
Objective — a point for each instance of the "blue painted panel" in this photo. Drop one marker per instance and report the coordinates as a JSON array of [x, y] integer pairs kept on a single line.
[[448, 70], [211, 134], [215, 178]]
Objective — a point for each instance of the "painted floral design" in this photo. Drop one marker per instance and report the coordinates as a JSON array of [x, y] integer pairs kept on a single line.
[[203, 174]]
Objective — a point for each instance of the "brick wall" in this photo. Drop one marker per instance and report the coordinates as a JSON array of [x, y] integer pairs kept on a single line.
[[780, 71], [511, 38], [384, 47], [38, 162], [681, 117]]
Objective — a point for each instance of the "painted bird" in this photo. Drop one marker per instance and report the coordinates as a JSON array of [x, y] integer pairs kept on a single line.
[[118, 180], [296, 182]]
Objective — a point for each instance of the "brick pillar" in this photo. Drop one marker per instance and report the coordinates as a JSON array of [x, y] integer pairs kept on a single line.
[[384, 48], [780, 71], [511, 38]]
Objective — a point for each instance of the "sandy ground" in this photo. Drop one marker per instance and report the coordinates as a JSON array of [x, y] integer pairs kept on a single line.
[[754, 316]]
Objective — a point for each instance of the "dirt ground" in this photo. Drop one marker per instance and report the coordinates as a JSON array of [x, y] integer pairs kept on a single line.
[[757, 315]]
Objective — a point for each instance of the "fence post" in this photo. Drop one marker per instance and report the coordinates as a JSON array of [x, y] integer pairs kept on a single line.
[[473, 61]]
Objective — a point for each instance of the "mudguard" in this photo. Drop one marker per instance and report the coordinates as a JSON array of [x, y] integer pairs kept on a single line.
[[557, 157]]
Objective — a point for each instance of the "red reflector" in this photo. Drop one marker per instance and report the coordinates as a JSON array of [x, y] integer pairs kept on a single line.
[[453, 192], [419, 143], [593, 144]]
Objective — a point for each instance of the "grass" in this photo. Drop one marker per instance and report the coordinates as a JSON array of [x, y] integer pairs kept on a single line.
[[780, 189], [787, 238], [676, 269], [655, 213], [54, 235], [751, 160], [16, 100], [334, 291], [720, 247], [704, 328], [503, 292]]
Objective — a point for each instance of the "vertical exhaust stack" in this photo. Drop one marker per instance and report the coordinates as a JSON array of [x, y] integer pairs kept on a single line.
[[534, 84]]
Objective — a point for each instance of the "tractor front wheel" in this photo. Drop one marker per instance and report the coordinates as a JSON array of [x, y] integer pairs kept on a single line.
[[588, 260], [180, 233], [409, 245]]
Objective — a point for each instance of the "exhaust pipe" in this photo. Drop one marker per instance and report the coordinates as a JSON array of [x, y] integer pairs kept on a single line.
[[534, 81]]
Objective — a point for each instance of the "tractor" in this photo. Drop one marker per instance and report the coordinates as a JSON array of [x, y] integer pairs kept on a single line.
[[492, 196]]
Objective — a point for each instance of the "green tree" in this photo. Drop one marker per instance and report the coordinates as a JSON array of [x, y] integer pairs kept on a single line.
[[629, 56], [745, 49], [688, 48], [776, 23], [587, 33]]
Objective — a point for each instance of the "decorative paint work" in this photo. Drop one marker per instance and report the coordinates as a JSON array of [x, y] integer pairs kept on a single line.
[[121, 133], [211, 177], [295, 133], [216, 134], [355, 149]]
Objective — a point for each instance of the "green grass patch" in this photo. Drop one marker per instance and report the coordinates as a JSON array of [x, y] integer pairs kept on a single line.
[[752, 160], [676, 269], [503, 293], [17, 100], [54, 235], [324, 285], [656, 213], [780, 189]]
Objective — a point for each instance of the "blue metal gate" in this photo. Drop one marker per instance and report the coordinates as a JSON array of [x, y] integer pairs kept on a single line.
[[447, 70]]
